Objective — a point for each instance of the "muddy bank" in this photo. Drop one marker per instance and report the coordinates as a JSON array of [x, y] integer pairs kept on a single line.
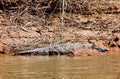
[[38, 24]]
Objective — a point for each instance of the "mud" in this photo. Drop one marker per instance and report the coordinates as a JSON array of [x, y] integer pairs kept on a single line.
[[28, 26]]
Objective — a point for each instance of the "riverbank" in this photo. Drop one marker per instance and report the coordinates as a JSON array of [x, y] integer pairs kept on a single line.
[[28, 25]]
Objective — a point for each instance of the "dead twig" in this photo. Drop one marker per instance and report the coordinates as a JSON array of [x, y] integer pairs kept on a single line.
[[23, 11], [114, 28]]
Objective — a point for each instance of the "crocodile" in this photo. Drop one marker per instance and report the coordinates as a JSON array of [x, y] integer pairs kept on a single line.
[[62, 49]]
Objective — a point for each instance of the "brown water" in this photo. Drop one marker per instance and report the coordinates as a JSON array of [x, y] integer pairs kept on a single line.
[[37, 67]]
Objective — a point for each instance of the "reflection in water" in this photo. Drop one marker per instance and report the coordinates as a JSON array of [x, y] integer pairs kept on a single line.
[[38, 67]]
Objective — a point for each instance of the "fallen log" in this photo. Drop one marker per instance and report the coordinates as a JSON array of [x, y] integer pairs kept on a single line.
[[60, 49]]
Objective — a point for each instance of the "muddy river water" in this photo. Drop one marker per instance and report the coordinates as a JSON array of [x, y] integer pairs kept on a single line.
[[59, 67]]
